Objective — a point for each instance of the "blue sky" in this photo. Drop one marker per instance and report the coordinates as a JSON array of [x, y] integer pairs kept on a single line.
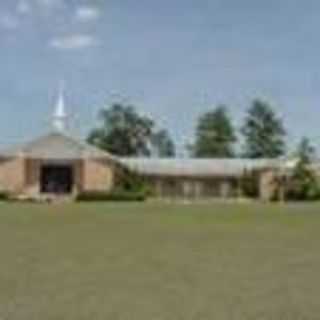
[[173, 59]]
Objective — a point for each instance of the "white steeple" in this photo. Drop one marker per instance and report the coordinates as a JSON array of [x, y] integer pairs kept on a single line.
[[60, 116]]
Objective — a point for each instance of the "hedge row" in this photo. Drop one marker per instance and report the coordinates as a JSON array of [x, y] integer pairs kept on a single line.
[[113, 196]]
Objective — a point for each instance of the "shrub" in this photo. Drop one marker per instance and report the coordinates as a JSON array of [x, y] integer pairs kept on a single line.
[[112, 196], [300, 192], [250, 185], [303, 181], [4, 196], [129, 181], [129, 187]]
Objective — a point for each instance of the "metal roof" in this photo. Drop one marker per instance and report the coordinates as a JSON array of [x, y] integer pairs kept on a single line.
[[197, 167], [56, 146]]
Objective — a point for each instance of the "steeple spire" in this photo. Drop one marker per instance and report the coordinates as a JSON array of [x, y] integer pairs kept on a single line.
[[60, 116]]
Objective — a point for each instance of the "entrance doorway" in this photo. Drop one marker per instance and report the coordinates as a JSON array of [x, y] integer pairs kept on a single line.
[[57, 179]]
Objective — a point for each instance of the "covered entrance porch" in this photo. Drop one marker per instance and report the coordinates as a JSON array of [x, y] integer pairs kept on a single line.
[[57, 179], [53, 178]]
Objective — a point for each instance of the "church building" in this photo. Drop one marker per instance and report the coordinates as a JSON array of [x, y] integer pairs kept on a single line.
[[57, 164]]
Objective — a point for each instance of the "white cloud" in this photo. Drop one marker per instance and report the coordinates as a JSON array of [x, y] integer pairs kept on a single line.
[[75, 41], [86, 13], [23, 7], [8, 21], [26, 6]]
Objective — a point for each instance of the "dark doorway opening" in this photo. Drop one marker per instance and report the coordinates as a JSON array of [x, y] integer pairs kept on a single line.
[[57, 179]]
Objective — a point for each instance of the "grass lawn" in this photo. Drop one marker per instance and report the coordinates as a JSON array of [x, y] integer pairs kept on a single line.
[[155, 262]]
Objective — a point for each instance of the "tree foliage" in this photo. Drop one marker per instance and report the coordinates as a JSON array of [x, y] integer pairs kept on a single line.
[[303, 181], [124, 132], [163, 145], [264, 133], [215, 135]]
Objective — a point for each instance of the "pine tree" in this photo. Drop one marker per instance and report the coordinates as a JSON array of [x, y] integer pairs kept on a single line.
[[263, 132], [215, 135]]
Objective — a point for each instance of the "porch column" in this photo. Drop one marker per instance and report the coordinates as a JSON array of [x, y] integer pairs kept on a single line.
[[20, 174], [267, 186], [225, 189], [198, 189], [159, 188], [187, 189], [239, 188]]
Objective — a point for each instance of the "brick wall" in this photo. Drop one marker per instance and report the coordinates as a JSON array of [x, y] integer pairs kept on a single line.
[[32, 185], [97, 175], [12, 175]]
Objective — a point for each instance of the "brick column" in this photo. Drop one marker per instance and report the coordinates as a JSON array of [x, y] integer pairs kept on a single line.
[[267, 185]]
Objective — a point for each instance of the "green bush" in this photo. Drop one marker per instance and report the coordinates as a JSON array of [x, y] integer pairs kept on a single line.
[[296, 192], [124, 196], [129, 187], [303, 182], [129, 181], [4, 196], [250, 185]]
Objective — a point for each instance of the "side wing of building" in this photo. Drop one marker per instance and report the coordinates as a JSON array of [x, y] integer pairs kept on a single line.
[[207, 178]]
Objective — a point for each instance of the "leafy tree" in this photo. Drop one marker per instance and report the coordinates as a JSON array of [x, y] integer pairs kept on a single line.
[[163, 144], [263, 132], [303, 181], [215, 135], [124, 132], [306, 152]]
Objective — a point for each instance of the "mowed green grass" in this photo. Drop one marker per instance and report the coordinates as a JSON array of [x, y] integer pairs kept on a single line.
[[159, 261]]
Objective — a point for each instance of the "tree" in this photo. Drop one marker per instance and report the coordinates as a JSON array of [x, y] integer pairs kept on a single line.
[[215, 135], [263, 132], [305, 151], [124, 132], [303, 181], [163, 144]]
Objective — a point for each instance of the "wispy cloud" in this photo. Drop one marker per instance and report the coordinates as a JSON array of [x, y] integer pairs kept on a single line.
[[23, 7], [27, 6], [75, 41], [87, 13], [8, 21]]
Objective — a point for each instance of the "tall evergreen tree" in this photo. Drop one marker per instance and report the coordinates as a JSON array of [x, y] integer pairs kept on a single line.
[[263, 132], [215, 135]]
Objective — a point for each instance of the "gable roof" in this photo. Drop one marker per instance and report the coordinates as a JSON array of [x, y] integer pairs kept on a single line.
[[56, 146], [197, 167]]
